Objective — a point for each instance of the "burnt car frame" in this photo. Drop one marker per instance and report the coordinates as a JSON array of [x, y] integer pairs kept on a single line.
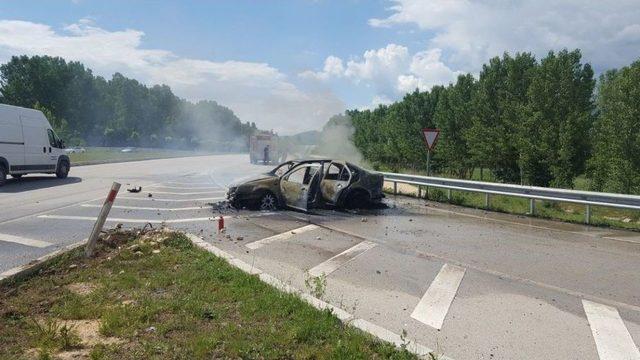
[[305, 184]]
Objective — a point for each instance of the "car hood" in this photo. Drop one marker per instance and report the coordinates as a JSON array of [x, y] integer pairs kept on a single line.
[[247, 179]]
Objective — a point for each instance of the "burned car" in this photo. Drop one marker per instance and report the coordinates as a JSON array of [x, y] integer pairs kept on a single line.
[[305, 184]]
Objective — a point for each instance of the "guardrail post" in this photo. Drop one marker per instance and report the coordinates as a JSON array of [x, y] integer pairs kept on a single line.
[[532, 206], [449, 194], [587, 214], [486, 200], [419, 192], [104, 212], [395, 188]]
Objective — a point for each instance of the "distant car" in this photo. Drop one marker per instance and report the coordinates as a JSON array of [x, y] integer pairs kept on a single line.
[[304, 184], [76, 150], [127, 150]]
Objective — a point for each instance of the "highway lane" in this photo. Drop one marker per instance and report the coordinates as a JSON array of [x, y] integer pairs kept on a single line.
[[23, 201], [468, 283]]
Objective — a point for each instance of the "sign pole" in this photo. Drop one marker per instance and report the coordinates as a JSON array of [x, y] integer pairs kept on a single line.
[[430, 140]]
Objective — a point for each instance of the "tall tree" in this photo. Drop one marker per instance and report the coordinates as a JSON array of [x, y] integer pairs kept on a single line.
[[499, 110], [453, 117], [119, 111], [615, 164], [555, 140]]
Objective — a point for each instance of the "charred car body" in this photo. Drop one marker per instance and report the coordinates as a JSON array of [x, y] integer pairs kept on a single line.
[[304, 184]]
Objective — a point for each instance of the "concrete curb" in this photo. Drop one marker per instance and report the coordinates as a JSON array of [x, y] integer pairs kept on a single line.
[[346, 317], [37, 264]]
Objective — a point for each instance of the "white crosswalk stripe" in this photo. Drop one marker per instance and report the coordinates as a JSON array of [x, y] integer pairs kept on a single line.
[[24, 241], [168, 200], [189, 193], [123, 220], [435, 303], [612, 338], [145, 208], [188, 187], [280, 237], [331, 265]]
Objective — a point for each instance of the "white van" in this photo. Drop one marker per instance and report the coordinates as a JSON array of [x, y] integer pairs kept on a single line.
[[28, 144]]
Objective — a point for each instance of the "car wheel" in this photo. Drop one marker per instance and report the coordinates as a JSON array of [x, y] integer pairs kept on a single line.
[[268, 201], [63, 170], [16, 176], [3, 175], [357, 199]]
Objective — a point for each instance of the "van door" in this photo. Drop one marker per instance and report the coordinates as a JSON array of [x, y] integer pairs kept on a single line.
[[295, 186], [36, 146], [55, 147], [336, 179], [11, 140]]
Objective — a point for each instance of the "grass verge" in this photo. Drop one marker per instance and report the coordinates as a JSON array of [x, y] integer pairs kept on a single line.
[[158, 296], [97, 155], [568, 212]]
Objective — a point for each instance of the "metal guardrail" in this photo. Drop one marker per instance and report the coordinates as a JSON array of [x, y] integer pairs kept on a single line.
[[588, 198]]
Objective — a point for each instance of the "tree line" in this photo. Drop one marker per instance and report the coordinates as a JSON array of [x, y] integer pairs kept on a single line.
[[525, 121], [86, 109]]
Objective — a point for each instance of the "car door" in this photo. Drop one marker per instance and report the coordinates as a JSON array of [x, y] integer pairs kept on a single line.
[[336, 179], [295, 186]]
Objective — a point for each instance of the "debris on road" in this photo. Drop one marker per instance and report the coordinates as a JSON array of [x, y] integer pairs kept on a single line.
[[135, 190], [149, 195]]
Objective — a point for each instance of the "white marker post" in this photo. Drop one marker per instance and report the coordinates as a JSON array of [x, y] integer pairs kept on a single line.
[[104, 212]]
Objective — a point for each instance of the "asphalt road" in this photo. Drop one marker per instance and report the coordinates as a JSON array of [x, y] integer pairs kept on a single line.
[[467, 283]]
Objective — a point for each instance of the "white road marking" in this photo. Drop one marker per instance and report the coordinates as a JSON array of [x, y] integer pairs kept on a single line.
[[344, 257], [169, 200], [189, 193], [145, 208], [435, 303], [142, 221], [613, 340], [188, 187], [24, 241], [280, 237], [189, 183]]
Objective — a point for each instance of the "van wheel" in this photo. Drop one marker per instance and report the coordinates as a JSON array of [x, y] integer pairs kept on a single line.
[[63, 170], [16, 176], [3, 175]]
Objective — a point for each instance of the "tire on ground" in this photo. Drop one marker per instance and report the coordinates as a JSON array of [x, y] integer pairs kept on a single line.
[[62, 169], [3, 174], [357, 199]]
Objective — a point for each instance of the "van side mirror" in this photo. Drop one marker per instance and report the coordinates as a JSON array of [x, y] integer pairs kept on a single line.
[[61, 144]]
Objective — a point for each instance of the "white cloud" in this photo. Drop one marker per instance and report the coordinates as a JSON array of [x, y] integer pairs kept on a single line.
[[255, 91], [391, 71], [608, 31], [333, 67]]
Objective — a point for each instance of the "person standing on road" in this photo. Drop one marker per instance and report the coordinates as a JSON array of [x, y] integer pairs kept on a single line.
[[266, 155]]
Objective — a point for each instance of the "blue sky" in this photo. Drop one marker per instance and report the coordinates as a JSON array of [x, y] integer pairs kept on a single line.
[[289, 65]]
